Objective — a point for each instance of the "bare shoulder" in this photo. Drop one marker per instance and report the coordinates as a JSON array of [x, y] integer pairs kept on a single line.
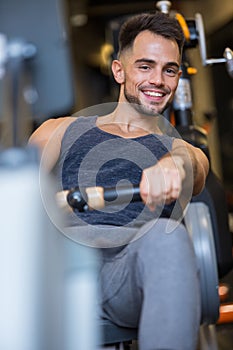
[[51, 128], [48, 138]]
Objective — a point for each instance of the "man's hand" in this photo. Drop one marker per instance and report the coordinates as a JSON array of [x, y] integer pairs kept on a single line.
[[61, 200], [180, 173], [162, 183]]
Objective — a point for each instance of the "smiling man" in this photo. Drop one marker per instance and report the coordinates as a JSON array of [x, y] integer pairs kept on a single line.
[[149, 73], [148, 276]]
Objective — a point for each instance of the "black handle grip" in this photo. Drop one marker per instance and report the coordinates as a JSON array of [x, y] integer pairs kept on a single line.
[[77, 198]]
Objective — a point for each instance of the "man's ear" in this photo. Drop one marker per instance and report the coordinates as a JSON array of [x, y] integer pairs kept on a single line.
[[118, 71]]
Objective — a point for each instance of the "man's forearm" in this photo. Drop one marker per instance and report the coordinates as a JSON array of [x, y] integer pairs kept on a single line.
[[195, 163]]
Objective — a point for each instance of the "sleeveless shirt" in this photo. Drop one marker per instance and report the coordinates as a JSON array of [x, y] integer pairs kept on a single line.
[[92, 157]]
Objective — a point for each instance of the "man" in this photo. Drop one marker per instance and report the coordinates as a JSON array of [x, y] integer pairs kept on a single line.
[[148, 275]]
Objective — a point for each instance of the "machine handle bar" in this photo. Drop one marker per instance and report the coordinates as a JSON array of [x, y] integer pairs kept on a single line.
[[99, 197]]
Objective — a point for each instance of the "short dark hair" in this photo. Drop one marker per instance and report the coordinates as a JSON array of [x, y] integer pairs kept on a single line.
[[158, 23]]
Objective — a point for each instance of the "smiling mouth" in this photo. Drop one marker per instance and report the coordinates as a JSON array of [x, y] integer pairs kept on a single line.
[[153, 94]]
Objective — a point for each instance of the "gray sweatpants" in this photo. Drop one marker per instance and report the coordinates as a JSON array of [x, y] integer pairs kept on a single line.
[[153, 283]]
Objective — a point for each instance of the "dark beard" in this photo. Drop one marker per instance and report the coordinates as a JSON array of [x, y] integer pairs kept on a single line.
[[139, 107]]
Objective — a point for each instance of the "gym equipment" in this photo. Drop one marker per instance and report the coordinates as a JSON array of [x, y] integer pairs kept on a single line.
[[31, 55], [41, 271], [195, 34], [98, 197], [213, 195], [30, 283]]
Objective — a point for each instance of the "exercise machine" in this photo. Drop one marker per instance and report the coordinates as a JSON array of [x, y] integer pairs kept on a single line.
[[41, 270]]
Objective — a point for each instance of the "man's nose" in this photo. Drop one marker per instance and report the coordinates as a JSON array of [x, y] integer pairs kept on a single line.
[[157, 78]]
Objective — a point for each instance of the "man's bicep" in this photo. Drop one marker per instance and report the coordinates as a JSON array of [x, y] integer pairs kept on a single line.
[[200, 158]]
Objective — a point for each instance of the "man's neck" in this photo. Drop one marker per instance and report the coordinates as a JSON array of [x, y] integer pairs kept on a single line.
[[127, 122]]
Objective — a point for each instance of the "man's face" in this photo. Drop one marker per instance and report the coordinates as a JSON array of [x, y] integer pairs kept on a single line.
[[151, 73]]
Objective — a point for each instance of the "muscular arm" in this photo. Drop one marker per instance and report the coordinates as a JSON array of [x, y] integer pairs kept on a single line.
[[48, 139], [195, 163], [183, 170]]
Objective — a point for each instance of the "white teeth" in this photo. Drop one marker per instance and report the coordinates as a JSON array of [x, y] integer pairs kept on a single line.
[[153, 94]]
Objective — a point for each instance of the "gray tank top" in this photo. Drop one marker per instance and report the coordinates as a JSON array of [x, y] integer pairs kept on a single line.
[[92, 157]]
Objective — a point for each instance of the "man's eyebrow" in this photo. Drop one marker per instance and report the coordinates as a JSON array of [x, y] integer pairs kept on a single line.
[[148, 60], [144, 60], [174, 64]]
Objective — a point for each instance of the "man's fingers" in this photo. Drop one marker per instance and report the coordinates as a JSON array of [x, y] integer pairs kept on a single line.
[[61, 199], [159, 186]]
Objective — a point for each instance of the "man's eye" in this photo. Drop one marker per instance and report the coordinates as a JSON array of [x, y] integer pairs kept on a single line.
[[144, 67], [171, 72]]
